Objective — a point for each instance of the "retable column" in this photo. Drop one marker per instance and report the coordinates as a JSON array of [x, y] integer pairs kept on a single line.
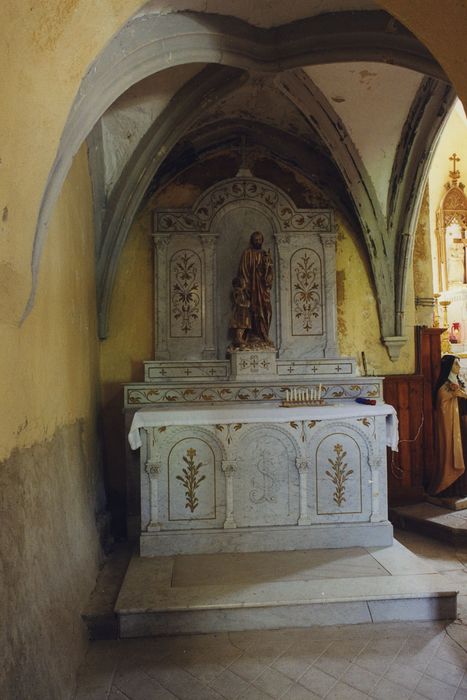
[[303, 465], [153, 469], [229, 468], [161, 299], [209, 241], [328, 241]]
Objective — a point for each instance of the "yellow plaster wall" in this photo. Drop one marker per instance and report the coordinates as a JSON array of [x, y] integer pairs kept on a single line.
[[130, 341], [49, 362], [47, 47], [43, 63], [49, 465], [357, 314]]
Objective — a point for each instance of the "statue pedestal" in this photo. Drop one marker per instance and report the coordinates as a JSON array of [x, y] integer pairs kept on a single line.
[[253, 363], [450, 502]]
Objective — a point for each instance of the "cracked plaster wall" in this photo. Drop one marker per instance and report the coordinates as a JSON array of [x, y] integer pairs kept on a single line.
[[50, 482]]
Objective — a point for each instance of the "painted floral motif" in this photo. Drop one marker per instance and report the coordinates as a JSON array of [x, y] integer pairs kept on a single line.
[[339, 474], [306, 296], [191, 479], [185, 295]]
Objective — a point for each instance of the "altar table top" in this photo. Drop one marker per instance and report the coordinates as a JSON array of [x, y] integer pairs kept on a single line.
[[150, 417]]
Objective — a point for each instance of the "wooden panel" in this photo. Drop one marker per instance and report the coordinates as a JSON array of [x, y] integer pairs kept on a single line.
[[428, 342], [411, 470], [405, 468]]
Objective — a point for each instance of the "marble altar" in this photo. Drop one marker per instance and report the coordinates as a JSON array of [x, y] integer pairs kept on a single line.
[[236, 478], [223, 466]]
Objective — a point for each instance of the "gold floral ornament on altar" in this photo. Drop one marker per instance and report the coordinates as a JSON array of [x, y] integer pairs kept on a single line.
[[339, 474], [191, 479]]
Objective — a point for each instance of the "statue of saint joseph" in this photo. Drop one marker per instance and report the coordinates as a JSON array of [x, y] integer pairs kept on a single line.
[[251, 323]]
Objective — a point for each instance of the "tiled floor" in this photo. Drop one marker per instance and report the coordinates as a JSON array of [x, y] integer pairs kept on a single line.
[[388, 661]]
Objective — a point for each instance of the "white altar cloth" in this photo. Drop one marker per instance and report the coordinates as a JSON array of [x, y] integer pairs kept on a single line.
[[259, 413]]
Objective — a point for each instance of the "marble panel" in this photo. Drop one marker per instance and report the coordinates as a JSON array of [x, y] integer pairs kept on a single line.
[[252, 364], [191, 481], [167, 371], [190, 489], [338, 459], [185, 295], [265, 539], [266, 484], [426, 608], [306, 298], [256, 567]]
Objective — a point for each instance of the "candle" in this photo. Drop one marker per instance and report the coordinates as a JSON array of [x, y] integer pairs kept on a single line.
[[294, 394], [320, 391]]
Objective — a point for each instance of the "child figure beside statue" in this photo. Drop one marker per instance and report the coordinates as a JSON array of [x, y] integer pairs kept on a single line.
[[450, 397]]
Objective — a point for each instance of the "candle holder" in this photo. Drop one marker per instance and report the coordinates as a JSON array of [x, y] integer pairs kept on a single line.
[[311, 396], [310, 402]]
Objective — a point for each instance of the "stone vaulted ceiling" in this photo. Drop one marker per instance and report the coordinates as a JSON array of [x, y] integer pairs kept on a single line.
[[339, 77]]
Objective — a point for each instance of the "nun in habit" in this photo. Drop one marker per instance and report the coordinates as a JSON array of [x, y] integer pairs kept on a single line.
[[448, 390]]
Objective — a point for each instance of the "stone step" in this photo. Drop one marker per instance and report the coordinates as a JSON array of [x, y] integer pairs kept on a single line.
[[205, 593], [447, 525], [99, 615]]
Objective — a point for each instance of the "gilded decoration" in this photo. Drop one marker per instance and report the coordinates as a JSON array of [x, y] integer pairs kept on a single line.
[[338, 474], [191, 479], [318, 220], [185, 295], [228, 428], [141, 396], [300, 425], [305, 275]]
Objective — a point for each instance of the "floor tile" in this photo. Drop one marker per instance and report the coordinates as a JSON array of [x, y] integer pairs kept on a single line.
[[273, 682], [247, 667], [298, 692], [229, 685], [404, 675], [292, 665], [435, 690], [94, 694], [334, 666], [445, 671], [388, 690], [138, 686], [116, 694], [360, 679], [342, 691], [253, 693], [317, 681]]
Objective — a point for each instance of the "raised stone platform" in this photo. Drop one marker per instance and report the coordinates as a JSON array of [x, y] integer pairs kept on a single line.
[[205, 593], [433, 521]]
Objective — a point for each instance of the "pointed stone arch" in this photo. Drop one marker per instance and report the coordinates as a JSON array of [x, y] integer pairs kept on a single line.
[[150, 43]]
